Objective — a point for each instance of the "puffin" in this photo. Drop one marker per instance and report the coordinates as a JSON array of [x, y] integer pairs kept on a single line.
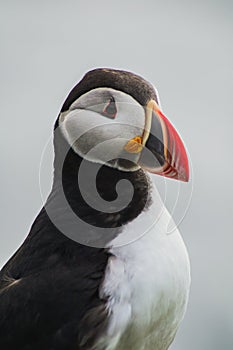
[[98, 269]]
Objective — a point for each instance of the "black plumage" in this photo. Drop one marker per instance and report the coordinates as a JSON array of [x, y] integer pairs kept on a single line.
[[49, 289], [55, 294], [130, 83]]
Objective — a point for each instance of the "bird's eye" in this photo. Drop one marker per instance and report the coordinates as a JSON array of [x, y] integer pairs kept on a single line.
[[110, 109]]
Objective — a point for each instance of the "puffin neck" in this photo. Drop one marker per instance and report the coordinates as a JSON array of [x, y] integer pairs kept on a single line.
[[98, 185]]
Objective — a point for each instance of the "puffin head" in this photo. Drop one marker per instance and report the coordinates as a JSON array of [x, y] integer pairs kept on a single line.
[[113, 117]]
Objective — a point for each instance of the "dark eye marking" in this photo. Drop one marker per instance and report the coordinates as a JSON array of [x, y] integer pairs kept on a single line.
[[110, 109]]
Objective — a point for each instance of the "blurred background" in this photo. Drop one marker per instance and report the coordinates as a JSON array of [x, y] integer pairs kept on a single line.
[[185, 49]]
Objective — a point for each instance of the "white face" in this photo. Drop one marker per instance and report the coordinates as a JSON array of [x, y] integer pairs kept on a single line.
[[100, 123]]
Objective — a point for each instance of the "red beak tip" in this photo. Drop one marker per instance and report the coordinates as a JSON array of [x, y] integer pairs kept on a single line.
[[183, 175], [184, 178]]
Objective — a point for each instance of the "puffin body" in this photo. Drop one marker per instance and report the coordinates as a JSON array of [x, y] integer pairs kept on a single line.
[[147, 282], [98, 270]]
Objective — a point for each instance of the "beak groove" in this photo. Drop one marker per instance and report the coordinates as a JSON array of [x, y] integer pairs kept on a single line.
[[165, 144]]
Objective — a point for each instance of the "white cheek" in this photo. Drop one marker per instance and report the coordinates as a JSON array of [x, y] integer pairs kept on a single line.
[[131, 114], [99, 138], [78, 123]]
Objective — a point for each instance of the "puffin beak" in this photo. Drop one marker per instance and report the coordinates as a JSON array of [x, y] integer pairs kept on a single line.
[[163, 151]]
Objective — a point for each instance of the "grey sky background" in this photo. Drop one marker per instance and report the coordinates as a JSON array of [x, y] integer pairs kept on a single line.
[[185, 49]]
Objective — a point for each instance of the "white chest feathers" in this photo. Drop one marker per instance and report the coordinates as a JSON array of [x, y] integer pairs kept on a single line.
[[147, 285]]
